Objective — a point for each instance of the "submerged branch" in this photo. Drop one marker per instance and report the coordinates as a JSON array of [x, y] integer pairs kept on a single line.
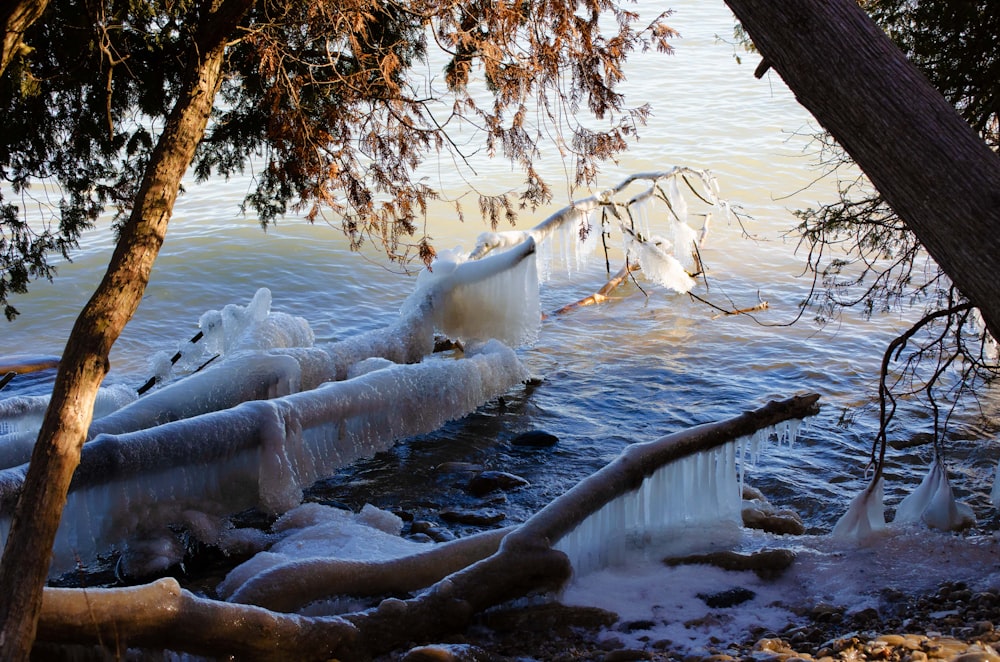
[[601, 295]]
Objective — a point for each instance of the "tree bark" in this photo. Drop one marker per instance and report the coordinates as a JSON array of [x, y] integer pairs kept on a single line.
[[84, 363], [17, 16], [928, 164]]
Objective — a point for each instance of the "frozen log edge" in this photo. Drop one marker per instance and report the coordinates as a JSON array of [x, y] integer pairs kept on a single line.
[[131, 487]]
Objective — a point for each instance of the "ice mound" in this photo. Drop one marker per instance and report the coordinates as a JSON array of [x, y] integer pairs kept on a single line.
[[934, 503]]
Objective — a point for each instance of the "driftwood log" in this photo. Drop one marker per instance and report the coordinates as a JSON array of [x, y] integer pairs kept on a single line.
[[162, 615]]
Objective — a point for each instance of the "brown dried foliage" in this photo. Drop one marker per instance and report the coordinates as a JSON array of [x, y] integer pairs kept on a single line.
[[347, 123]]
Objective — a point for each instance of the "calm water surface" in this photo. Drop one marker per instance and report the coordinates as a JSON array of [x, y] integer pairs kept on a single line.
[[635, 368]]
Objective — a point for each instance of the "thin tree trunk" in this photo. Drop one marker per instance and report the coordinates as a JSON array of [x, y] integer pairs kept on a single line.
[[16, 17], [928, 164], [84, 364]]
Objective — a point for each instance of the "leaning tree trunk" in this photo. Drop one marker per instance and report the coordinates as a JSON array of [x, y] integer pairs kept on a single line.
[[15, 18], [84, 364], [928, 164]]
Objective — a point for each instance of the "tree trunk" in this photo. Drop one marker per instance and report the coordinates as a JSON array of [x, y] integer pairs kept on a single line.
[[928, 164], [84, 364], [16, 18]]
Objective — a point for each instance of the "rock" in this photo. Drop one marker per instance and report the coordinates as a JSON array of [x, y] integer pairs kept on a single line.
[[728, 598], [977, 656], [535, 439], [473, 517], [489, 481], [627, 655], [458, 468], [766, 564], [781, 522], [446, 653]]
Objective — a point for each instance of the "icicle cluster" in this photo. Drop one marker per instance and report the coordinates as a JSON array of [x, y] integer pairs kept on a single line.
[[470, 300], [697, 490]]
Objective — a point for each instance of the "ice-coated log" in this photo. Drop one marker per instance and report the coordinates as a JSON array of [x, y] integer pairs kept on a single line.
[[21, 416], [131, 487], [242, 377]]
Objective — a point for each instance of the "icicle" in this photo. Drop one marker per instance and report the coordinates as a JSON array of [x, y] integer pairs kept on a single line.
[[693, 491], [934, 503], [703, 233], [496, 297], [677, 202], [864, 516], [658, 265], [684, 241]]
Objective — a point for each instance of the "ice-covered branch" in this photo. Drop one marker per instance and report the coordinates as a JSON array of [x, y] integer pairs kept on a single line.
[[291, 586], [569, 216], [525, 563]]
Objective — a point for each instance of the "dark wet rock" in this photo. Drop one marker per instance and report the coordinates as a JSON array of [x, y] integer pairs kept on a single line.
[[554, 618], [535, 439], [490, 481], [729, 598], [458, 468], [634, 626], [767, 563], [431, 531], [472, 517], [447, 653], [627, 655]]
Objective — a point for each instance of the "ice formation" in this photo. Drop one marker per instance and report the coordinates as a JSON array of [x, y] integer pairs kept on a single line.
[[658, 261], [934, 503], [496, 297], [691, 492], [232, 329], [677, 501], [21, 417], [316, 531], [663, 259], [864, 516], [275, 413]]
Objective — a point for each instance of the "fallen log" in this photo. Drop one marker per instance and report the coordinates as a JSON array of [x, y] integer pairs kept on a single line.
[[155, 615]]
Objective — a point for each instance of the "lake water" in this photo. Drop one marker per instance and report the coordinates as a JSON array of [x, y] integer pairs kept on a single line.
[[635, 368]]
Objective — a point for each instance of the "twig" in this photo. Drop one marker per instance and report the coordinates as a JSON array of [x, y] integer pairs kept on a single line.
[[763, 305], [601, 295]]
